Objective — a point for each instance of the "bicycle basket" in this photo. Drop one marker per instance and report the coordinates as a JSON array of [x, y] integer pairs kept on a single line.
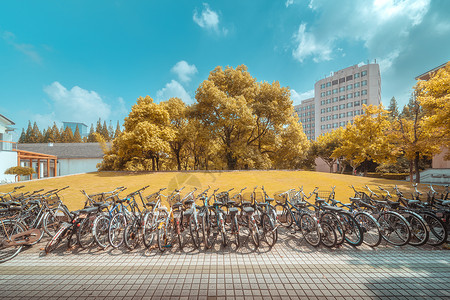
[[223, 197], [327, 195], [52, 200]]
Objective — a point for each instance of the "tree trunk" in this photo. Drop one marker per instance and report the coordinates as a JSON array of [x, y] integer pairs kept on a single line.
[[153, 164], [416, 167], [331, 168], [231, 161], [411, 173], [178, 160]]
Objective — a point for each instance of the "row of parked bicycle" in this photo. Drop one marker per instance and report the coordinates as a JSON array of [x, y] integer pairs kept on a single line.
[[209, 217]]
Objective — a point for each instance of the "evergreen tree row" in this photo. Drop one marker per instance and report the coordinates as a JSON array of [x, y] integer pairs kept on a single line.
[[54, 134]]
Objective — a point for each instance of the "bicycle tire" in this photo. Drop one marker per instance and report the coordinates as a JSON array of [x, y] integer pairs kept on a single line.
[[370, 228], [116, 228], [53, 220], [149, 230], [100, 230], [270, 233], [235, 231], [85, 237], [310, 230], [57, 238], [328, 237], [8, 228], [194, 230], [418, 227], [131, 235], [164, 237], [206, 231], [438, 230], [394, 228], [353, 231], [333, 221], [254, 232]]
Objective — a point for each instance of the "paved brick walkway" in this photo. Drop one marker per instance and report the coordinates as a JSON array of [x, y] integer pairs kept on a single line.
[[290, 270]]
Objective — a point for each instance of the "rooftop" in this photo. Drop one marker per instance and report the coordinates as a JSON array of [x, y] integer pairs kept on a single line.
[[65, 150]]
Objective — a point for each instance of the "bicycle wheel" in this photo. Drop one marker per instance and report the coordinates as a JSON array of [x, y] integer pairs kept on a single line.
[[85, 237], [53, 220], [288, 217], [235, 231], [394, 228], [438, 230], [370, 229], [58, 237], [100, 230], [164, 236], [310, 230], [149, 229], [270, 232], [419, 230], [194, 230], [116, 228], [7, 229], [328, 236], [131, 235], [206, 231], [254, 231], [353, 231], [337, 225]]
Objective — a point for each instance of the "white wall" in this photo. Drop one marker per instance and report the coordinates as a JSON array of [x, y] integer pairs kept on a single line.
[[75, 166], [7, 159]]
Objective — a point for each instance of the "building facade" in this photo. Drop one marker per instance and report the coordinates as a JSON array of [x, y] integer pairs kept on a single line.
[[73, 126], [340, 97], [305, 112], [8, 155]]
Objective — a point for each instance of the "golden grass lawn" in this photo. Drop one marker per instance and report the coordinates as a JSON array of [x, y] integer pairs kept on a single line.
[[273, 182]]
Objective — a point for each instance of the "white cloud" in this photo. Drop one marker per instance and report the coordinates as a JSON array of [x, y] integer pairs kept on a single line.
[[208, 19], [289, 2], [184, 70], [297, 98], [76, 104], [307, 45], [27, 49], [173, 89], [383, 26]]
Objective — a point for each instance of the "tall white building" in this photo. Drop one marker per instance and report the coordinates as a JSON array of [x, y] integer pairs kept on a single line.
[[339, 98]]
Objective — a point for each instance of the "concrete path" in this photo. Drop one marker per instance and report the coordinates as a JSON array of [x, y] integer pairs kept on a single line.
[[290, 270]]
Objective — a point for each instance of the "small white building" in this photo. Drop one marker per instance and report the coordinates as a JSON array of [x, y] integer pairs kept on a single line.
[[8, 155], [72, 158]]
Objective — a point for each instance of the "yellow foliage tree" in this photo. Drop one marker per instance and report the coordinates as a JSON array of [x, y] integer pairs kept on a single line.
[[367, 138], [434, 96], [144, 140], [325, 145]]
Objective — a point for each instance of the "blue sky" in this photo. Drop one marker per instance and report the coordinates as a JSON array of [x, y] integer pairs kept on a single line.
[[81, 60]]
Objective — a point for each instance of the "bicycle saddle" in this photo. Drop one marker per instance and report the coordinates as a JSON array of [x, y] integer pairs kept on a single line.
[[249, 209]]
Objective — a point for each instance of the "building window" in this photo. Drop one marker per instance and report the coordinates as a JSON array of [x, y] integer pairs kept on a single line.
[[328, 93], [342, 106], [349, 113], [322, 127], [341, 97], [342, 89], [356, 85], [328, 118], [349, 96], [322, 110], [364, 92], [335, 82], [357, 94], [328, 126], [349, 87], [364, 101], [364, 82], [328, 101], [335, 116], [335, 108], [356, 112], [342, 115], [335, 99], [322, 94], [335, 91], [350, 104], [322, 86], [322, 102], [322, 119], [328, 109], [349, 77], [341, 80], [363, 73], [328, 84], [356, 103], [341, 123], [356, 75]]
